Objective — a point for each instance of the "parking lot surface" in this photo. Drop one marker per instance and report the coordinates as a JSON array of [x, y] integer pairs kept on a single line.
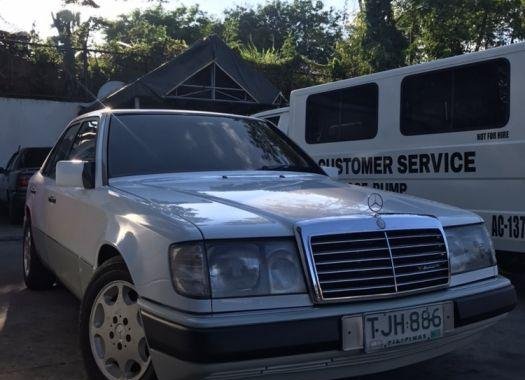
[[39, 334]]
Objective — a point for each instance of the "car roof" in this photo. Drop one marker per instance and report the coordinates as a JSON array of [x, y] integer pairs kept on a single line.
[[134, 111]]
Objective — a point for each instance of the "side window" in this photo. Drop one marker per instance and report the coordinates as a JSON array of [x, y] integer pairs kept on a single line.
[[342, 115], [11, 162], [465, 98], [84, 145], [60, 151]]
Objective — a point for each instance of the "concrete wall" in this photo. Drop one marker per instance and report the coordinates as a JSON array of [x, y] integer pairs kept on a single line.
[[30, 122]]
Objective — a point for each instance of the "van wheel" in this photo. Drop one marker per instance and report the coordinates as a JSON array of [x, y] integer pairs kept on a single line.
[[112, 338], [36, 275]]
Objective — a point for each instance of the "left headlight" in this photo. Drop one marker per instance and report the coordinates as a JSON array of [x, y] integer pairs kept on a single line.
[[254, 268], [189, 272], [470, 248]]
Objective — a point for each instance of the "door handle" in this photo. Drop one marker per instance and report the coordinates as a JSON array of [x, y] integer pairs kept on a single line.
[[52, 199]]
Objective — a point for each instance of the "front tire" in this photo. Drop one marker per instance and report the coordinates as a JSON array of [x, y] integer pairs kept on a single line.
[[112, 338], [36, 275]]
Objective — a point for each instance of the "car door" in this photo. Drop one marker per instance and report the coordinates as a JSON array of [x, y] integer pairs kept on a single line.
[[4, 179], [42, 199], [70, 217]]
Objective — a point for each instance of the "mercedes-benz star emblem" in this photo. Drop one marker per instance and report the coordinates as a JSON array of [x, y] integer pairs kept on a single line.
[[375, 202]]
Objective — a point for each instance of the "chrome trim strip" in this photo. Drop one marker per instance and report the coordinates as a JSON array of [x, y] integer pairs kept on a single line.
[[392, 262]]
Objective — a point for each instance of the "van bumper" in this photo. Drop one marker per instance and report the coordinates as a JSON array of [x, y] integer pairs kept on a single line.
[[302, 347]]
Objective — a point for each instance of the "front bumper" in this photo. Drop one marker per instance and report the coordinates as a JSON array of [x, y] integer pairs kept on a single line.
[[207, 349]]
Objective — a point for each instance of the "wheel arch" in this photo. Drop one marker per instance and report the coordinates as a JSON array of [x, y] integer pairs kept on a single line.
[[106, 252]]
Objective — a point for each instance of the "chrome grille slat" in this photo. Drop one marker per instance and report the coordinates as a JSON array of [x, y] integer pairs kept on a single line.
[[347, 241], [379, 263], [421, 263], [415, 237], [352, 261], [356, 289], [389, 268], [409, 256], [421, 273], [416, 246], [349, 251], [425, 280], [356, 279]]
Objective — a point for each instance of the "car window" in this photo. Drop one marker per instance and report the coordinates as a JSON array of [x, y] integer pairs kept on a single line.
[[85, 142], [11, 161], [33, 157], [60, 151], [150, 144]]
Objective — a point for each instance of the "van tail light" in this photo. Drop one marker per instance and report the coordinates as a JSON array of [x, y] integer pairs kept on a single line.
[[22, 181]]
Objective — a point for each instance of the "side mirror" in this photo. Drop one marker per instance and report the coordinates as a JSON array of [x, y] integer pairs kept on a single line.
[[330, 171], [75, 174]]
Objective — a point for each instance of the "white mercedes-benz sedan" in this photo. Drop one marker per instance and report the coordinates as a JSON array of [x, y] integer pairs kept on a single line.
[[210, 246]]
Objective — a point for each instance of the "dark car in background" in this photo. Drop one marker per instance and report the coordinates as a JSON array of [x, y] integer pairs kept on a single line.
[[15, 176]]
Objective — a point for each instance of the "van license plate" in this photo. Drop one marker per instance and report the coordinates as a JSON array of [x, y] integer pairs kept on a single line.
[[405, 326]]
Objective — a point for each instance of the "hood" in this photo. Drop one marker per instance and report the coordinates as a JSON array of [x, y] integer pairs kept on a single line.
[[241, 203]]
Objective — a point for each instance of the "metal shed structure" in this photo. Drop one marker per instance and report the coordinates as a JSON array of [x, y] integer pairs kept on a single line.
[[208, 76]]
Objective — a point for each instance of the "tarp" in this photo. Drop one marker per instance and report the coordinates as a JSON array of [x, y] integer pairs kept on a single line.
[[161, 81]]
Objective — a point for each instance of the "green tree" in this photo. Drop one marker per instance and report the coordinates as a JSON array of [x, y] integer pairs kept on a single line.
[[314, 29], [382, 43], [66, 22], [442, 28], [373, 44]]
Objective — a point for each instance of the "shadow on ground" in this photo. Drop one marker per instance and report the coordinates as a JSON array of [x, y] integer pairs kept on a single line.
[[38, 330]]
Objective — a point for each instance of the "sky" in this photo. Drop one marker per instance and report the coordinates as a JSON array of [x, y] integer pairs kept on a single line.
[[20, 15]]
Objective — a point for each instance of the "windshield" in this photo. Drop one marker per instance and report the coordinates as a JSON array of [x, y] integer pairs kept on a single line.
[[33, 157], [170, 143]]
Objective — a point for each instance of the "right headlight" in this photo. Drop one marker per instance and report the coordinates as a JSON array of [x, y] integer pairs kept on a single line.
[[237, 268], [254, 268], [470, 248]]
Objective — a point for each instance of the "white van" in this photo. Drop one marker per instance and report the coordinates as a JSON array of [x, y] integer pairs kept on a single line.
[[279, 117], [452, 130]]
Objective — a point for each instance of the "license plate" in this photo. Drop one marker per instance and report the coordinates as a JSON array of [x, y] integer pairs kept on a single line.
[[405, 326]]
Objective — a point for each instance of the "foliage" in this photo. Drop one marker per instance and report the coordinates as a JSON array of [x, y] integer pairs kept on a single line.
[[296, 43], [312, 28], [442, 28]]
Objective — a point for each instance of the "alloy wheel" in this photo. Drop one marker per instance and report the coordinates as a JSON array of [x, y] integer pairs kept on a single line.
[[116, 334]]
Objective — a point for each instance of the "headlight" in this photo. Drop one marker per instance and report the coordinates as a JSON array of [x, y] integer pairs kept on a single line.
[[254, 268], [470, 248], [236, 268], [189, 272]]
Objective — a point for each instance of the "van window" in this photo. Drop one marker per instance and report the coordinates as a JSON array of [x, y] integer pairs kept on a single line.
[[342, 115], [464, 98]]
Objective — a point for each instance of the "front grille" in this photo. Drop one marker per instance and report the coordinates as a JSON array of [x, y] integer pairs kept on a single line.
[[379, 263]]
